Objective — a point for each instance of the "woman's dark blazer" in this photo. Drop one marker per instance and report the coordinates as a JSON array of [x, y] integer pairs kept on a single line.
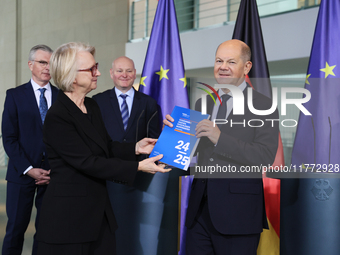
[[82, 157]]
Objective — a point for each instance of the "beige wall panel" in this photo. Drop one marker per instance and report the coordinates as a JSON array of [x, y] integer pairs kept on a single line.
[[7, 47], [25, 23]]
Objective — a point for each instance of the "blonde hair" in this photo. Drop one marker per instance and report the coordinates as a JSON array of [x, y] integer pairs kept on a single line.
[[63, 64]]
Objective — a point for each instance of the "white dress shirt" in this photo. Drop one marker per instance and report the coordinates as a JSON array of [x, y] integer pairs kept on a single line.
[[242, 87], [129, 99], [48, 96]]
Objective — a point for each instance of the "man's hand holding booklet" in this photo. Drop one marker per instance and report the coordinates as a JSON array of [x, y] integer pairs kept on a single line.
[[178, 144]]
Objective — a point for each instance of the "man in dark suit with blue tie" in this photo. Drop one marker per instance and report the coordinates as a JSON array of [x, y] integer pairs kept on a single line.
[[28, 169], [226, 211], [129, 116]]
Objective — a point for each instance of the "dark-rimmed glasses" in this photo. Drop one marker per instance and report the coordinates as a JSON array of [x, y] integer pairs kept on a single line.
[[41, 62], [93, 69]]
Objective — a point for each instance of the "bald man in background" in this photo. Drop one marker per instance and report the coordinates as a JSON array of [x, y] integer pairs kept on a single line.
[[129, 116]]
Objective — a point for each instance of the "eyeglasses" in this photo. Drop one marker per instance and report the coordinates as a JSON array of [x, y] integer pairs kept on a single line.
[[41, 62], [93, 69]]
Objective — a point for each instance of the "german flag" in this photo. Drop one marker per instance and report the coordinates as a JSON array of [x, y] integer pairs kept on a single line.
[[248, 29]]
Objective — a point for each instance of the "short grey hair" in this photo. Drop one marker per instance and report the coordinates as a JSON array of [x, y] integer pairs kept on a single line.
[[245, 53], [63, 64], [35, 48]]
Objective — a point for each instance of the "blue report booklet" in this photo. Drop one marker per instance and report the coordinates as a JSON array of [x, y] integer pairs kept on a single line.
[[178, 144]]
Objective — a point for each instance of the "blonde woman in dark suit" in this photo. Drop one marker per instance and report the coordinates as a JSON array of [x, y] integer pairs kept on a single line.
[[76, 216]]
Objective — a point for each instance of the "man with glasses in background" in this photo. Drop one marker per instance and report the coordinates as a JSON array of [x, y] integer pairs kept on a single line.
[[22, 130]]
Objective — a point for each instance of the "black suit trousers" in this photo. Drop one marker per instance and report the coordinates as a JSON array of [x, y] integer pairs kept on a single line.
[[105, 245], [204, 239]]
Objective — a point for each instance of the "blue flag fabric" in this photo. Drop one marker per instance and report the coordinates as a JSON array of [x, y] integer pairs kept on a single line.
[[185, 189], [163, 78], [321, 130], [310, 207]]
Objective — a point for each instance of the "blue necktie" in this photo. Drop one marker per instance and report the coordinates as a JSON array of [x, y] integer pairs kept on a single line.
[[43, 104], [125, 111]]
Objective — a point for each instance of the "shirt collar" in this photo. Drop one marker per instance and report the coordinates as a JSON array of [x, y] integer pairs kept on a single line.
[[129, 93], [242, 87], [36, 86]]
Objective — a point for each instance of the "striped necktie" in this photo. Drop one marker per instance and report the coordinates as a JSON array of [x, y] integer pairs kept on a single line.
[[124, 111], [43, 104]]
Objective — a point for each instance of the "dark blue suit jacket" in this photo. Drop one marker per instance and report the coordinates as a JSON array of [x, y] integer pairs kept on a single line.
[[143, 121], [22, 132], [236, 205]]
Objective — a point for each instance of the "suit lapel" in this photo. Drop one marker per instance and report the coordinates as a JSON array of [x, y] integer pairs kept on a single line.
[[135, 109], [83, 121], [116, 109], [32, 102], [210, 104], [240, 118]]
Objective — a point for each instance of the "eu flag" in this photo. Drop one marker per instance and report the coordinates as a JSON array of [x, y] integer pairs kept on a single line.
[[164, 79], [163, 76], [310, 206]]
